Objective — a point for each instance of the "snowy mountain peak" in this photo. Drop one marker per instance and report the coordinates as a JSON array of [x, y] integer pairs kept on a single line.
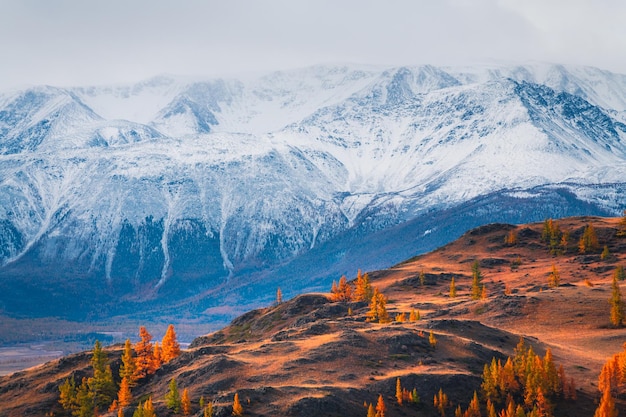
[[151, 189]]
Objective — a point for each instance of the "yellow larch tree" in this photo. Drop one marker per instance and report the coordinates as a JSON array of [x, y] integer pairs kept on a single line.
[[607, 406], [157, 358], [237, 408], [381, 408], [170, 348], [399, 391], [371, 412], [554, 279], [341, 292], [378, 308], [128, 368], [185, 402], [144, 357], [589, 241], [124, 396], [363, 290]]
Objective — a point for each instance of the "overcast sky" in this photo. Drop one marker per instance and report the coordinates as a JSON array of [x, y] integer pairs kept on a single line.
[[79, 42]]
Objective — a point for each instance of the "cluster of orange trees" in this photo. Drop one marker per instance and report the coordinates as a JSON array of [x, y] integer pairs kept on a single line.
[[362, 291], [526, 383], [611, 382], [102, 391]]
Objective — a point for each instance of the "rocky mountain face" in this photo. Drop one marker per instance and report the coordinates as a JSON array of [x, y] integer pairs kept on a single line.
[[183, 195]]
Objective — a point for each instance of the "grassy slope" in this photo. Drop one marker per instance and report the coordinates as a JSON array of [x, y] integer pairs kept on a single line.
[[308, 357]]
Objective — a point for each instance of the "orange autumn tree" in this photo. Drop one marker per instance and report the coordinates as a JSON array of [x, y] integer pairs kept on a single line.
[[380, 407], [237, 408], [363, 290], [144, 356], [124, 396], [157, 358], [185, 402], [169, 345], [341, 292]]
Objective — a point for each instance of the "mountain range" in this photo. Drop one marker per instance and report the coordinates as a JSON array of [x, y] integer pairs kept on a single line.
[[193, 196]]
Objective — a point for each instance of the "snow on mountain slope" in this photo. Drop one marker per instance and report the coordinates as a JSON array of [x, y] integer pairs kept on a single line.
[[171, 186]]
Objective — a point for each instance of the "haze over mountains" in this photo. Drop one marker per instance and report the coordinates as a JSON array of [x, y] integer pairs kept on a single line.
[[183, 195]]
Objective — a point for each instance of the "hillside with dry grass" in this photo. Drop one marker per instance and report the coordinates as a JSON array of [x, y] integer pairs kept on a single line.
[[310, 356]]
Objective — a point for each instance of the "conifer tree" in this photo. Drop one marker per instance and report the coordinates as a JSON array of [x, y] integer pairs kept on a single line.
[[170, 348], [491, 409], [172, 398], [148, 408], [185, 402], [398, 391], [473, 410], [589, 241], [144, 358], [617, 305], [619, 273], [605, 253], [422, 278], [414, 315], [378, 308], [381, 408], [564, 242], [279, 296], [101, 384], [68, 394], [237, 408], [452, 288], [208, 410], [476, 281], [511, 238], [84, 400], [415, 398], [157, 358], [607, 406], [432, 340], [128, 368], [363, 290], [554, 279], [124, 396], [139, 410], [370, 411], [341, 292], [441, 402]]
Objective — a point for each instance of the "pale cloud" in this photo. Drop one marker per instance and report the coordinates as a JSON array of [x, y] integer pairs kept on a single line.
[[69, 42]]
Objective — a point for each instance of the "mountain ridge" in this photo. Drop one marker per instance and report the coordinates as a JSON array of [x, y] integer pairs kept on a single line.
[[221, 180]]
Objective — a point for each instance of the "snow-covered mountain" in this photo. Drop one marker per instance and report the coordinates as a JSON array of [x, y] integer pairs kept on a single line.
[[218, 191]]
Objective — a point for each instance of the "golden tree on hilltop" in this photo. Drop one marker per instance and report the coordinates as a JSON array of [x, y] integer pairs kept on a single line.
[[170, 348], [589, 241], [363, 290], [144, 357], [341, 292]]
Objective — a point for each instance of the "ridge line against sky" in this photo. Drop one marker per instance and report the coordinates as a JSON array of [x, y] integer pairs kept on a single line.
[[78, 42]]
